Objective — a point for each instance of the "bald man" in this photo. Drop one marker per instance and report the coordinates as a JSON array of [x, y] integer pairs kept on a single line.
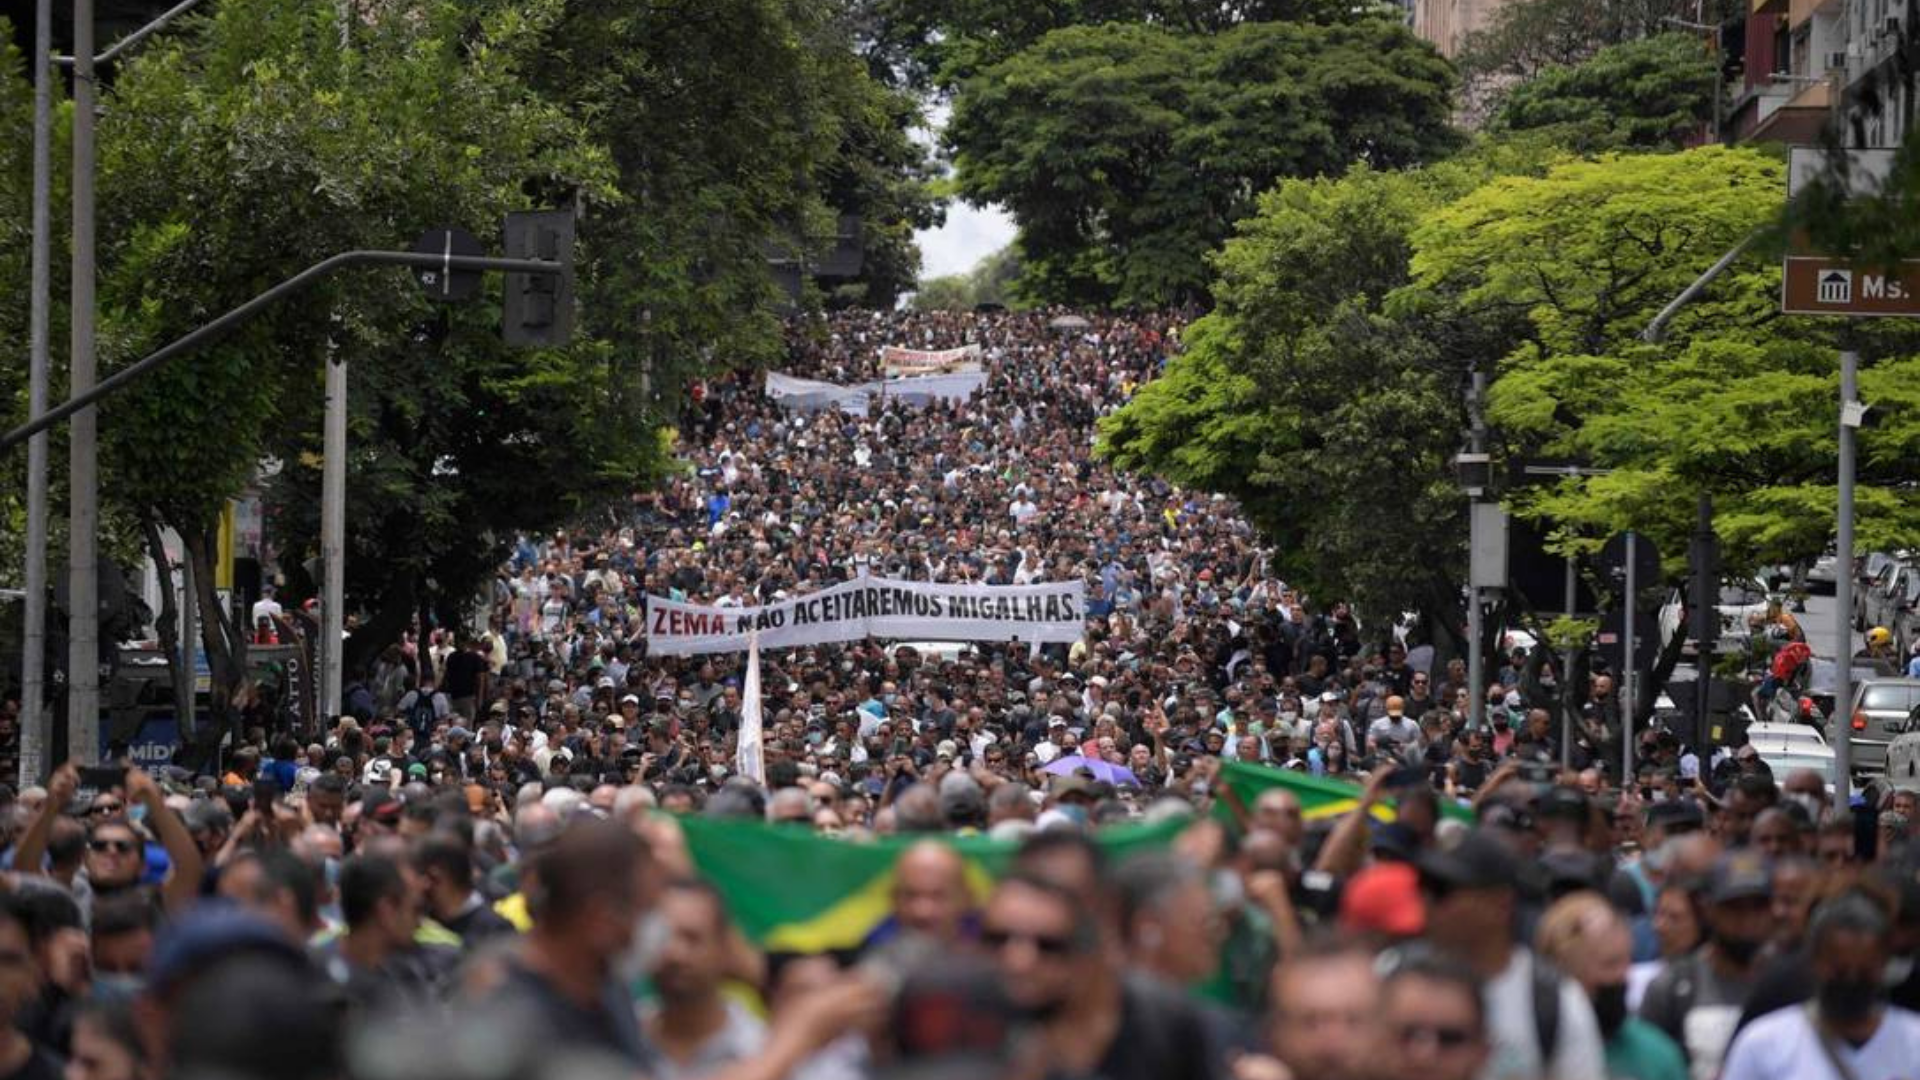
[[930, 894], [1278, 810]]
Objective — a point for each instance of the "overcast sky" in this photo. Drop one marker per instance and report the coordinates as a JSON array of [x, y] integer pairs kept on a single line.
[[969, 234]]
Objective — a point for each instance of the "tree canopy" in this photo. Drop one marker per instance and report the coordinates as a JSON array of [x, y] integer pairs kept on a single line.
[[1648, 93], [1127, 152]]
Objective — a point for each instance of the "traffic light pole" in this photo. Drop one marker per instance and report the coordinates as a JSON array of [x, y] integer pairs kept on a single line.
[[83, 464], [186, 343], [35, 729]]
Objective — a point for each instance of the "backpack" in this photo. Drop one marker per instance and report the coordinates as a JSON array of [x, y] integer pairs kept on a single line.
[[1546, 1009], [421, 716]]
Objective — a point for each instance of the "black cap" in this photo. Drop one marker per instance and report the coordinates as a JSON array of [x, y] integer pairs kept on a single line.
[[1563, 803], [1478, 861], [1680, 815]]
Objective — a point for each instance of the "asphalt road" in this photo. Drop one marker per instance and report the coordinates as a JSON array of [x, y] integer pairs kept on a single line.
[[1817, 623]]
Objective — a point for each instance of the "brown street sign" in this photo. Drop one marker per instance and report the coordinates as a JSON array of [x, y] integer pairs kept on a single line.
[[1815, 286]]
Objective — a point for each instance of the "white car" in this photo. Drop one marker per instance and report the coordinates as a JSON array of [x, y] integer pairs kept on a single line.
[[1768, 735], [1784, 758]]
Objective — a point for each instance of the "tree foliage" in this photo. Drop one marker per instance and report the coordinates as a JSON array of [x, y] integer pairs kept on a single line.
[[1527, 37], [1648, 93], [1737, 404], [1127, 152], [1319, 400], [943, 43]]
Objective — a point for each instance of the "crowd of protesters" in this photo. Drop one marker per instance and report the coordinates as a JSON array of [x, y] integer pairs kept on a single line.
[[479, 872]]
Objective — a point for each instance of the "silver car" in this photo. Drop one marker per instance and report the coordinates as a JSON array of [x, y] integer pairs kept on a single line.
[[1883, 710]]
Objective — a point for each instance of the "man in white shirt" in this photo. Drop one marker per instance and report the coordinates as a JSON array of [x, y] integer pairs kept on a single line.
[[1848, 1031], [266, 607], [1470, 913]]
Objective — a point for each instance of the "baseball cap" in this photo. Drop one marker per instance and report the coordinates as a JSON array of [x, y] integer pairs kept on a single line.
[[1063, 785], [1384, 899], [1329, 697], [947, 749], [1478, 862], [1740, 875], [1056, 720], [1678, 815], [630, 699]]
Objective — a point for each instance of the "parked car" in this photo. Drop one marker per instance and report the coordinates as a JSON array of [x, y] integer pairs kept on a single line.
[[1783, 758], [1883, 710], [1742, 607], [1874, 571], [1893, 596]]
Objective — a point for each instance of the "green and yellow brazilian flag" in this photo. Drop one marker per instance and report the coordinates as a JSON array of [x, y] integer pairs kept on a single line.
[[791, 890]]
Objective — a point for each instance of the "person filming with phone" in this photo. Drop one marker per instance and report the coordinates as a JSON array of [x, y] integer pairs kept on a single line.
[[116, 852]]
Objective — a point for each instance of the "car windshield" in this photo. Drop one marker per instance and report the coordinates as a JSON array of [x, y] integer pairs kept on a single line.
[[1890, 697], [1785, 763]]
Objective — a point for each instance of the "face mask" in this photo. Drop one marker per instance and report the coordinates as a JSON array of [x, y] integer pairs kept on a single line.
[[118, 986], [637, 960], [1899, 969], [1740, 950], [1610, 1007], [815, 738], [1848, 1000]]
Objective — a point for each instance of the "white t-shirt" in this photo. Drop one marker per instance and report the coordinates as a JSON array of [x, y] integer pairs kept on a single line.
[[1782, 1045], [265, 608], [1579, 1053]]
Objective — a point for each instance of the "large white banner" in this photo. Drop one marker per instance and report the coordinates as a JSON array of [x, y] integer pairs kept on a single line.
[[812, 395], [895, 360], [874, 607]]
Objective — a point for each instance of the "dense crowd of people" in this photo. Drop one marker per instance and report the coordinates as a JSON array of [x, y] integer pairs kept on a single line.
[[479, 871]]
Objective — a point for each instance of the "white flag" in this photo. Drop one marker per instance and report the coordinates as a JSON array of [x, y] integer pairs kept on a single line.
[[748, 759]]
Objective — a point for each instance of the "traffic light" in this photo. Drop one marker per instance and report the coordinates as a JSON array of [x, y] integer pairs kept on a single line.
[[538, 309]]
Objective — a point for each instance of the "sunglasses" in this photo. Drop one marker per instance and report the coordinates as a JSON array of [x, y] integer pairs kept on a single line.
[[1049, 944], [1440, 1035], [118, 847], [101, 809]]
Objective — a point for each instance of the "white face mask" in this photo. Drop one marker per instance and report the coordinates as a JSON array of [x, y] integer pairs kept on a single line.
[[637, 960], [1898, 970]]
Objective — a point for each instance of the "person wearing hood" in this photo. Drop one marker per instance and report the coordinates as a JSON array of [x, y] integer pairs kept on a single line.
[[1588, 939]]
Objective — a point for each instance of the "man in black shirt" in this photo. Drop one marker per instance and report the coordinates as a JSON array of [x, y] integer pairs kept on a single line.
[[1092, 1019], [465, 682]]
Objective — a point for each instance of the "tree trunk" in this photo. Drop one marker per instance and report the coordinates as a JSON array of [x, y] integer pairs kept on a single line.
[[225, 643], [169, 627], [383, 629]]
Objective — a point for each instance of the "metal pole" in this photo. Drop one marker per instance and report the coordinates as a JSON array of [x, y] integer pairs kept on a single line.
[[35, 725], [191, 340], [333, 533], [1703, 674], [1630, 685], [1476, 663], [1566, 681], [184, 695], [83, 612], [1843, 593]]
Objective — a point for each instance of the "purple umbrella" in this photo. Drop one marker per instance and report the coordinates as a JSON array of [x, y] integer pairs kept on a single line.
[[1101, 770]]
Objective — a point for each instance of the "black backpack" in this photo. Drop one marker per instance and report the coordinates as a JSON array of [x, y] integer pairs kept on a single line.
[[422, 716]]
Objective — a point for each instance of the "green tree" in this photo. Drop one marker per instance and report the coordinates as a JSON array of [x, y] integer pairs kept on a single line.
[[263, 138], [1127, 152], [941, 43], [1737, 404], [1644, 94], [1528, 37], [1323, 403]]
